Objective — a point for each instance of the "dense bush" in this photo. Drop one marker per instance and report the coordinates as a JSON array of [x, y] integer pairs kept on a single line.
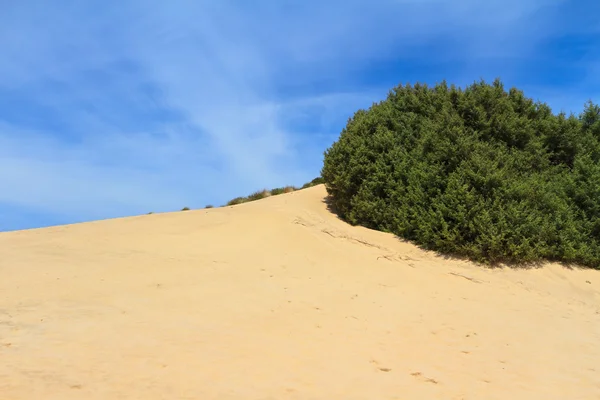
[[477, 172]]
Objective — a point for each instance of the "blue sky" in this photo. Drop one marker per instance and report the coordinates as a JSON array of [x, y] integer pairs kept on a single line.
[[116, 108]]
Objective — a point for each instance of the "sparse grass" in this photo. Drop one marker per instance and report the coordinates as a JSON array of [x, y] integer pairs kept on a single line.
[[276, 191], [314, 182], [261, 194], [237, 200]]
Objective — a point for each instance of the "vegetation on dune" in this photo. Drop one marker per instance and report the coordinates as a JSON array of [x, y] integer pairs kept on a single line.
[[479, 172], [282, 190], [237, 200], [261, 194], [314, 182]]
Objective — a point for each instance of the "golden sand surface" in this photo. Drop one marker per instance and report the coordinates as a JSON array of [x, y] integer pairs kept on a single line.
[[279, 299]]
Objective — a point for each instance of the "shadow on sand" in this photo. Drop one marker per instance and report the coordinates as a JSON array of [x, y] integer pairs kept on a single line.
[[499, 264]]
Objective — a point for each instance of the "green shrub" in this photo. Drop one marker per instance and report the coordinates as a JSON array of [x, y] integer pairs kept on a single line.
[[277, 191], [317, 181], [477, 172], [261, 194], [282, 190], [237, 200], [209, 206], [185, 209], [314, 182]]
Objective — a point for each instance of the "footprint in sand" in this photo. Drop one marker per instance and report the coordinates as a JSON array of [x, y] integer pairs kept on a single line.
[[424, 378], [383, 369]]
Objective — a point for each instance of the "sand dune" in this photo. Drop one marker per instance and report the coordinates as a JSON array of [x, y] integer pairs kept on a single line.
[[279, 299]]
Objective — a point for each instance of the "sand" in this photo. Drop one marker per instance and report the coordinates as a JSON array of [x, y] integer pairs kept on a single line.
[[279, 299]]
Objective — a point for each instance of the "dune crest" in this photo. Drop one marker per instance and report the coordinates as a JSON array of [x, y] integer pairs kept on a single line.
[[279, 299]]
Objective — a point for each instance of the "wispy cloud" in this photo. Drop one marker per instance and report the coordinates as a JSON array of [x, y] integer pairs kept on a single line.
[[118, 108]]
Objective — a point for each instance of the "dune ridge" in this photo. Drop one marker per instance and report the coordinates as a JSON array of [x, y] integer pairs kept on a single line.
[[278, 298]]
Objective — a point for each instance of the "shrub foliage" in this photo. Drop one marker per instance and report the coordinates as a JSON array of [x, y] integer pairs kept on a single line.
[[479, 172]]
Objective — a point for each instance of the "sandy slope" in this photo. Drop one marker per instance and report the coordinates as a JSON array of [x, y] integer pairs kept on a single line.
[[278, 299]]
